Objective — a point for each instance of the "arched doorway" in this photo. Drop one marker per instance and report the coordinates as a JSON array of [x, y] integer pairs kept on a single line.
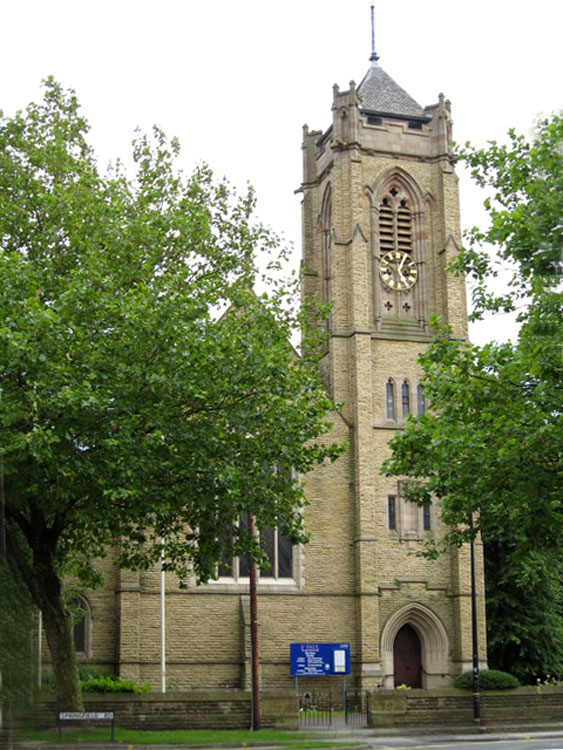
[[407, 661], [433, 643]]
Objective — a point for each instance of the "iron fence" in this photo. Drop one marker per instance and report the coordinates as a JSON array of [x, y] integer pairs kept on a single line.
[[319, 708]]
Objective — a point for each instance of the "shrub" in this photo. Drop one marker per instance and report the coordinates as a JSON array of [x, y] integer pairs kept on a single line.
[[109, 684], [86, 671], [489, 679], [93, 680]]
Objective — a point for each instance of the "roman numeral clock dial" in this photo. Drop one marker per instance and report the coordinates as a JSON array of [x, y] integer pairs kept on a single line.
[[398, 270]]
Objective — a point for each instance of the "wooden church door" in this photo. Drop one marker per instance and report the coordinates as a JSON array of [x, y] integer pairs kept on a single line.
[[407, 663]]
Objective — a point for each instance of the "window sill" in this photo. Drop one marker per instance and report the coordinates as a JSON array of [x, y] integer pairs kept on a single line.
[[224, 585]]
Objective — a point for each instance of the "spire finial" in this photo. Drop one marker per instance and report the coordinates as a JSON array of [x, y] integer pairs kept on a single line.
[[374, 57]]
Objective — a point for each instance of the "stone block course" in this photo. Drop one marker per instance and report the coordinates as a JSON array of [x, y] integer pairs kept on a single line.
[[194, 710], [524, 706]]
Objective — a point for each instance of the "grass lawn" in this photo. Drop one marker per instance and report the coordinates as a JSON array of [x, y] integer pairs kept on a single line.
[[188, 737]]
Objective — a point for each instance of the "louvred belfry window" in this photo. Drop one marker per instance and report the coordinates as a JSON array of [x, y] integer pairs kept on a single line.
[[395, 223], [399, 255]]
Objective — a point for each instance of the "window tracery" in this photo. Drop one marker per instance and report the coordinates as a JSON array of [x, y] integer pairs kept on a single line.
[[398, 230], [82, 624]]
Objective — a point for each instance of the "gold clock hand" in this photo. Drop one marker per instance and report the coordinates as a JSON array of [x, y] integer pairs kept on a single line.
[[400, 268]]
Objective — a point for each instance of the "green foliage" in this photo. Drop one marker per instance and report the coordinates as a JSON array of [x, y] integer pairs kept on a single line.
[[110, 684], [17, 624], [489, 450], [86, 671], [130, 411], [489, 679], [93, 680], [525, 207]]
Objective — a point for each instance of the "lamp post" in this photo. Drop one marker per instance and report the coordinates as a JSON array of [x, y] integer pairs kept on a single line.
[[255, 673], [162, 623]]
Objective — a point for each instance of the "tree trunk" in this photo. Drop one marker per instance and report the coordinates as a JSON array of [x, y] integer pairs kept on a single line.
[[58, 631], [45, 587]]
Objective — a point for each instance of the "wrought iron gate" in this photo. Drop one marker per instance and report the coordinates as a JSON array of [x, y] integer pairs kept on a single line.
[[327, 708]]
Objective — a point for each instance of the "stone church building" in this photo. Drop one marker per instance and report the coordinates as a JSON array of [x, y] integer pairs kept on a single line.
[[380, 224]]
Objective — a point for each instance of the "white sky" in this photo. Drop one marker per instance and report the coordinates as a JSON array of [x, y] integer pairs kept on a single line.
[[236, 80]]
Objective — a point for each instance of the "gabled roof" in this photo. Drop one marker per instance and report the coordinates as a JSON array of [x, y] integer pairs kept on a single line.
[[382, 95]]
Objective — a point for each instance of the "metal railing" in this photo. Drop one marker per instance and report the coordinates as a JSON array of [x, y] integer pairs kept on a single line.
[[326, 708]]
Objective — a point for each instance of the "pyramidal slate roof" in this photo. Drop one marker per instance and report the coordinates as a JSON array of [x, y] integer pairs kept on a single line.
[[381, 94]]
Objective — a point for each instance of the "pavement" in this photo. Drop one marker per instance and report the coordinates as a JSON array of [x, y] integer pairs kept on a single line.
[[473, 732], [376, 738]]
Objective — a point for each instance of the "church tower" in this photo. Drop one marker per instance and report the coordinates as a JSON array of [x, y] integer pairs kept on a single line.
[[380, 225]]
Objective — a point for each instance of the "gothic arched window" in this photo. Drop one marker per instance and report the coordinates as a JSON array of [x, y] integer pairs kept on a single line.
[[405, 398], [390, 399], [426, 518], [421, 401], [395, 223], [399, 253], [81, 618], [326, 225]]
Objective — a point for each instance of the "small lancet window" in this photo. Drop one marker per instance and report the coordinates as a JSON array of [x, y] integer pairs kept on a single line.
[[81, 624], [426, 520], [405, 398], [390, 399], [421, 401], [392, 512]]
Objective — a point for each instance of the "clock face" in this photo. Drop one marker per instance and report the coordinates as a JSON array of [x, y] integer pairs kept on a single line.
[[398, 270]]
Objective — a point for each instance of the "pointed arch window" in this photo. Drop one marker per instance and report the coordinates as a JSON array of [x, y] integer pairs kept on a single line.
[[82, 623], [426, 518], [405, 398], [390, 399], [421, 401], [395, 222], [326, 225], [392, 512]]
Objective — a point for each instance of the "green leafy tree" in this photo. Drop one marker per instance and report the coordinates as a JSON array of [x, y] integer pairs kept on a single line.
[[131, 414], [491, 447]]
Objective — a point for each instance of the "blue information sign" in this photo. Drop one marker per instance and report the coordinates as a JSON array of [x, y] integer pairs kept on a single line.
[[319, 659]]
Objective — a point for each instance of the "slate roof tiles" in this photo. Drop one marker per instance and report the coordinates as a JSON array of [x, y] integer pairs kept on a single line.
[[381, 94]]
